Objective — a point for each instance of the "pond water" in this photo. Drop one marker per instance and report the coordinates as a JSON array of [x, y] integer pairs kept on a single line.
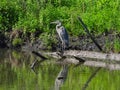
[[16, 74]]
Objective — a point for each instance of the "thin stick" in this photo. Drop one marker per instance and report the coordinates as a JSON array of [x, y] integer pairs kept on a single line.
[[87, 31]]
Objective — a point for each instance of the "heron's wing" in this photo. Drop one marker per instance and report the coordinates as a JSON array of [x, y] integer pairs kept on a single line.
[[64, 35]]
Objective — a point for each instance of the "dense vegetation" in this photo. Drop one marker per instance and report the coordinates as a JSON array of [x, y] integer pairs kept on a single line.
[[33, 17]]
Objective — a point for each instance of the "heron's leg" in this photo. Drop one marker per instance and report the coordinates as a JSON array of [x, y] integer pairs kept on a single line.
[[61, 51], [59, 45], [62, 48]]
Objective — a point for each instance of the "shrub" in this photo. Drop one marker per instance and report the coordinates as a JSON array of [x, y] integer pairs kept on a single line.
[[117, 45], [8, 15], [17, 42]]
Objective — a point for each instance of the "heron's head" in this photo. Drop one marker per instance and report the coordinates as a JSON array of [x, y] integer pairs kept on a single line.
[[56, 22]]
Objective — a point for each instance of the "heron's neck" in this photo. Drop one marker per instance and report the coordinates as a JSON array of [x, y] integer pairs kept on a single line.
[[58, 26]]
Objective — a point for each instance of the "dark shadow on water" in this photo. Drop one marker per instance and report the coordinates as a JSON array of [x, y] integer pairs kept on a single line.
[[35, 65]]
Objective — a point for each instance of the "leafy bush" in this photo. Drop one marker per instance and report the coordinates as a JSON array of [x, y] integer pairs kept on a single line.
[[117, 45], [8, 16], [17, 42], [98, 15], [48, 40]]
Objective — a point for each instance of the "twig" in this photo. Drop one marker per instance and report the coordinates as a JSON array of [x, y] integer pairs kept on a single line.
[[87, 31]]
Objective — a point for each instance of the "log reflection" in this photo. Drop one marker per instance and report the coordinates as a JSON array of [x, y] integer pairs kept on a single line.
[[43, 58]]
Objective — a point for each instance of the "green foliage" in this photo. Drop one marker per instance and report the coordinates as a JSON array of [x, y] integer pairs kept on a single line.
[[98, 15], [48, 40], [102, 15], [8, 15], [117, 45], [17, 42]]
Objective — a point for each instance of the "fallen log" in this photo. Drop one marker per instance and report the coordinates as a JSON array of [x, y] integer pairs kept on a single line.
[[88, 62], [87, 54], [87, 58]]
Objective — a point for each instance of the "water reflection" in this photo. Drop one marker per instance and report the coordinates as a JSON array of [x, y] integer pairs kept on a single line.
[[61, 77], [47, 74], [90, 78], [36, 61]]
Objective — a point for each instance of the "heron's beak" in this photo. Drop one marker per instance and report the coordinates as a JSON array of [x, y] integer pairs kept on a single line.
[[53, 23]]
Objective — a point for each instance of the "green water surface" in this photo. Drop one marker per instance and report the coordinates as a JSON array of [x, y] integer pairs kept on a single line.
[[16, 74]]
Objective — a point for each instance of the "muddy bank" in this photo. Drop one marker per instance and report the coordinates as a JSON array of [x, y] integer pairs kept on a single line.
[[79, 43], [85, 42], [76, 43], [3, 41]]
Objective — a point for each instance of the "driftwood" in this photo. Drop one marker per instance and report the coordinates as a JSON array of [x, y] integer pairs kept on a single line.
[[96, 59], [110, 61], [88, 55]]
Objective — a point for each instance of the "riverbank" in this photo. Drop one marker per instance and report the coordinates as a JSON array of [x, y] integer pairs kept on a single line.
[[109, 42], [26, 24]]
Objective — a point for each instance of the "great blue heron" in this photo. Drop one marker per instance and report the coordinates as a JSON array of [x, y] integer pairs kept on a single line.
[[63, 35]]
